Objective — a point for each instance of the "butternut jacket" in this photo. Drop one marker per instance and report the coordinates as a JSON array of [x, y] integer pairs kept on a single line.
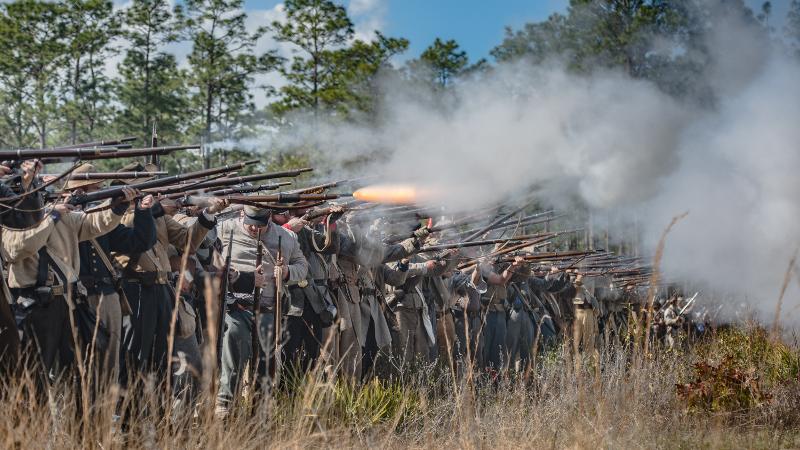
[[168, 232], [60, 237]]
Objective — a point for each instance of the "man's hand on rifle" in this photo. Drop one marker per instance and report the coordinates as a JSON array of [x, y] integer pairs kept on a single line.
[[281, 272], [422, 233], [216, 205], [260, 279], [30, 168], [233, 275], [147, 202], [296, 224], [64, 208], [128, 194]]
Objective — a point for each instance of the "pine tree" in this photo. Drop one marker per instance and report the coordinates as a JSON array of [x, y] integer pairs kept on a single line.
[[151, 88], [31, 50], [223, 63]]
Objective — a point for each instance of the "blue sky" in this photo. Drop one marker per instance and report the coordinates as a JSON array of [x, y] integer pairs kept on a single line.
[[477, 25]]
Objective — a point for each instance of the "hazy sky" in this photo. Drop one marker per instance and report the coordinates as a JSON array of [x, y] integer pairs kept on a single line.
[[477, 25]]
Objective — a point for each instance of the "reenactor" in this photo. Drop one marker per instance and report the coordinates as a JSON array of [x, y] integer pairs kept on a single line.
[[283, 262], [466, 288], [584, 331], [520, 329], [98, 274], [44, 265], [148, 289], [494, 302]]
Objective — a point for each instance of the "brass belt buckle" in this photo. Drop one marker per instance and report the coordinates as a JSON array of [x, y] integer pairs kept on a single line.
[[302, 283]]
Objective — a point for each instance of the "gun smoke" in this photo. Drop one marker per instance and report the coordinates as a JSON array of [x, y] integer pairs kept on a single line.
[[611, 143]]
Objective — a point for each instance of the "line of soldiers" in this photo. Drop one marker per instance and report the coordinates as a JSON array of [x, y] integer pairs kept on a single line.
[[304, 291]]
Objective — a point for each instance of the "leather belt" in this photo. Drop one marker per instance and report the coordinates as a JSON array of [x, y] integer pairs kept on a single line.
[[91, 281], [249, 308], [148, 278]]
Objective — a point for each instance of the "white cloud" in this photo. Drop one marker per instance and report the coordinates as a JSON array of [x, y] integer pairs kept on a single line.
[[368, 16]]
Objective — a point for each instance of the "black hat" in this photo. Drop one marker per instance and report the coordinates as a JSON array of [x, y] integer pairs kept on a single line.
[[256, 216]]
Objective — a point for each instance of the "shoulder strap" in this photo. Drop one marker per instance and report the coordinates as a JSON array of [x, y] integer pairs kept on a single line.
[[104, 257], [45, 263]]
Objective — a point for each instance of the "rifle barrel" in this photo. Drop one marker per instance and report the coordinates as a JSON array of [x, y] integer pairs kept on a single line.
[[117, 190], [114, 153], [110, 175], [230, 181], [282, 198]]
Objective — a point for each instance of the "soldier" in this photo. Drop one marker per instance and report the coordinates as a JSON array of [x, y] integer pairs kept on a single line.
[[360, 256], [672, 321], [495, 305], [467, 288], [44, 264], [436, 289], [149, 293], [239, 321], [374, 275], [311, 307], [584, 333], [9, 335], [520, 326], [415, 329], [99, 276]]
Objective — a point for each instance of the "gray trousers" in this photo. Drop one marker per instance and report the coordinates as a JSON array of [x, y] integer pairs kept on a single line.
[[494, 339], [519, 337], [412, 342], [108, 311], [237, 348]]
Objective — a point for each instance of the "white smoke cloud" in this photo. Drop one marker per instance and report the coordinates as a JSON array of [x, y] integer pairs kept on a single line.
[[617, 144]]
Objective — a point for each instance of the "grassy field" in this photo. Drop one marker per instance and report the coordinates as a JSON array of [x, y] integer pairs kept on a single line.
[[737, 389]]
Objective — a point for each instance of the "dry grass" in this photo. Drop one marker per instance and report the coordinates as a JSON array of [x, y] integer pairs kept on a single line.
[[613, 407]]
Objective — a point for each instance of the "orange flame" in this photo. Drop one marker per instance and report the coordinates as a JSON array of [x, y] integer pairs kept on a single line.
[[389, 194]]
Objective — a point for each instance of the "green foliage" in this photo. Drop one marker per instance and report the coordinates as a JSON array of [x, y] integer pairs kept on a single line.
[[90, 25], [376, 402], [792, 27], [739, 370], [151, 88], [31, 51], [319, 29], [440, 63], [223, 64]]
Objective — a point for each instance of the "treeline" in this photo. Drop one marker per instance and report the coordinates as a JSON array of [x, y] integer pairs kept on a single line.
[[55, 86]]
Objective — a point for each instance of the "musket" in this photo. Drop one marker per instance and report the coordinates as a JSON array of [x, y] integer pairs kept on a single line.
[[281, 198], [316, 214], [502, 219], [46, 154], [435, 248], [109, 143], [318, 189], [111, 175], [534, 219], [249, 189], [546, 237], [277, 325], [116, 191], [189, 196], [688, 303], [223, 294], [256, 310], [153, 144], [230, 181], [113, 153]]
